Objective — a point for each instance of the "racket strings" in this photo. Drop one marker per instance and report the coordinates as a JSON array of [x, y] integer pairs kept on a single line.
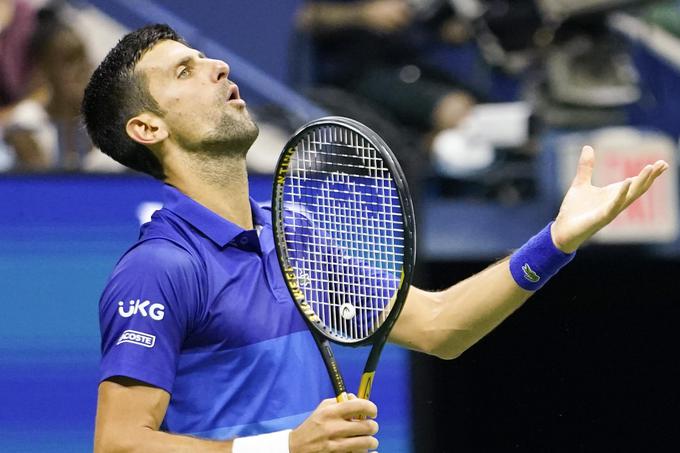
[[344, 230]]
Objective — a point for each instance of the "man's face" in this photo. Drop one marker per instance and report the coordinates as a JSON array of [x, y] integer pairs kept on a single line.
[[203, 109]]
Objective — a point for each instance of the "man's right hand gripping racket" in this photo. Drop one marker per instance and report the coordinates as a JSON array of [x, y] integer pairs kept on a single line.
[[345, 237]]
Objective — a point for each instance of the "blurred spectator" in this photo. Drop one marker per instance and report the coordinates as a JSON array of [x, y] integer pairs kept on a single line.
[[17, 25], [366, 64], [44, 129], [372, 48]]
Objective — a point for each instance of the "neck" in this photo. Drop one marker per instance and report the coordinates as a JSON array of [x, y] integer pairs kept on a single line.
[[220, 183]]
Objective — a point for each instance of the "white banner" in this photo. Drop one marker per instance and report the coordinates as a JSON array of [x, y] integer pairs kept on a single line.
[[621, 153]]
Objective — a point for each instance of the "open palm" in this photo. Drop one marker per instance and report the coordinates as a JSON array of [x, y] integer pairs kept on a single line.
[[586, 209]]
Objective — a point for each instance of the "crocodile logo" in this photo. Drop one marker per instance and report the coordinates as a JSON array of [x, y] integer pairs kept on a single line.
[[529, 273]]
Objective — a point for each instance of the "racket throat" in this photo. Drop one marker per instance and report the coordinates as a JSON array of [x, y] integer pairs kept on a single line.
[[332, 367]]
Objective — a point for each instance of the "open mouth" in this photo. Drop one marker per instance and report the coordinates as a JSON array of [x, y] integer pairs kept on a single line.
[[233, 93]]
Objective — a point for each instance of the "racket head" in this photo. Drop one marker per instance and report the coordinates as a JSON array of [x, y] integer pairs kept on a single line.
[[344, 229]]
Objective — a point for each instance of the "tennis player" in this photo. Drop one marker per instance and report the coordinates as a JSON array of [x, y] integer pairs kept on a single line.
[[201, 343]]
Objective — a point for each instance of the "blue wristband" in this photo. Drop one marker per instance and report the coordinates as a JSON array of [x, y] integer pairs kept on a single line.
[[535, 262]]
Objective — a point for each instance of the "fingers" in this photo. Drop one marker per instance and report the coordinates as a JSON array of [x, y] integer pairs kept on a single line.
[[355, 411], [355, 444], [661, 165], [333, 427], [620, 201], [357, 428], [644, 180], [328, 402], [351, 408], [584, 173], [355, 408], [657, 168], [641, 182]]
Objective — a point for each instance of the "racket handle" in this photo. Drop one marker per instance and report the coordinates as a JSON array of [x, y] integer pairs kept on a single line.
[[365, 385], [365, 388], [342, 397]]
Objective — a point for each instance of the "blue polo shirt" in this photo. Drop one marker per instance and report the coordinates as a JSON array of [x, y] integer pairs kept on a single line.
[[198, 307]]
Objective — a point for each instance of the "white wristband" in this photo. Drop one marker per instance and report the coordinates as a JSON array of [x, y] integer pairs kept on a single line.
[[276, 442]]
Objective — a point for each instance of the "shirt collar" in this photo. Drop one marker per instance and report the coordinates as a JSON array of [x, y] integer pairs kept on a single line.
[[218, 229]]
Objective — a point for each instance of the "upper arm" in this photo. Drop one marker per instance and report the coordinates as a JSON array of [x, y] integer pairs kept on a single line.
[[149, 305], [126, 407]]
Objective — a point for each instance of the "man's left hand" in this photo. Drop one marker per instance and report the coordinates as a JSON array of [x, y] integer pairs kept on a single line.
[[586, 209]]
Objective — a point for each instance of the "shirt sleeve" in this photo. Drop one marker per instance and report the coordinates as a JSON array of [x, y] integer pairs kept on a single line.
[[145, 312]]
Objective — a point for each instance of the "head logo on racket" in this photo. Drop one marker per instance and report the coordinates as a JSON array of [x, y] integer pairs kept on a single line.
[[347, 311]]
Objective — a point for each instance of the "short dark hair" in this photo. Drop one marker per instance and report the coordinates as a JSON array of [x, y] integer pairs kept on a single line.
[[116, 93]]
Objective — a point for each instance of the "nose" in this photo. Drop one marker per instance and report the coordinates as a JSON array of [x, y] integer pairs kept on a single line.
[[220, 70]]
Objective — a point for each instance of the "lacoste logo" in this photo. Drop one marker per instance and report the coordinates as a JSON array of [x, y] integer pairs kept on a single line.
[[140, 338], [529, 273], [155, 311]]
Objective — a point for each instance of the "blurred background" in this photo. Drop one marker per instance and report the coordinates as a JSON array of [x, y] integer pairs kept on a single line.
[[486, 103]]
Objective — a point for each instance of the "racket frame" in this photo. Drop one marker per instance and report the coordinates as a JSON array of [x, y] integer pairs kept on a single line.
[[318, 329]]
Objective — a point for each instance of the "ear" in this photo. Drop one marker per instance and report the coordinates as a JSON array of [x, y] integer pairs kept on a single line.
[[147, 129]]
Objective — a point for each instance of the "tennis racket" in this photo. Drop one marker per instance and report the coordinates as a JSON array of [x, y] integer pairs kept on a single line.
[[345, 237]]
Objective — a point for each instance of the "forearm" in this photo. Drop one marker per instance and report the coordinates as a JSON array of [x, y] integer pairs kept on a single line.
[[147, 440], [448, 322], [129, 416], [471, 309]]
